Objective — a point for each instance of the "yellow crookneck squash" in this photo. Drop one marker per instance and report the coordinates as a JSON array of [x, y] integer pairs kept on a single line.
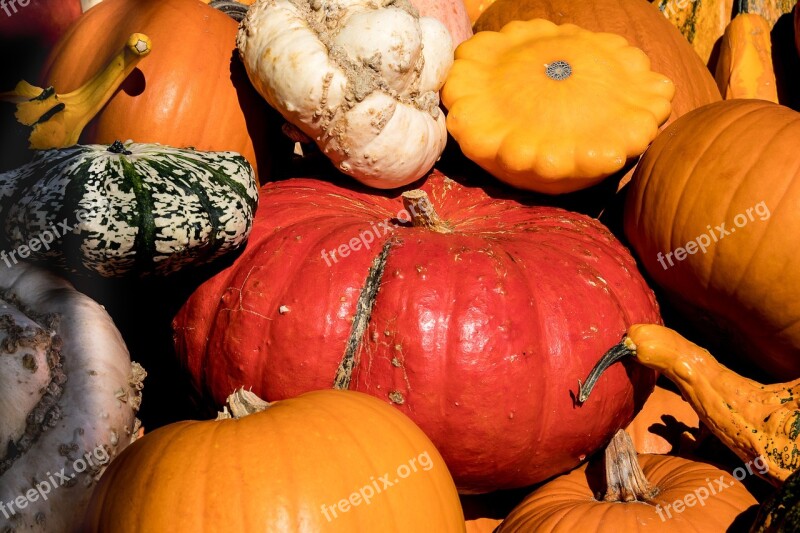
[[553, 109], [744, 68], [753, 420]]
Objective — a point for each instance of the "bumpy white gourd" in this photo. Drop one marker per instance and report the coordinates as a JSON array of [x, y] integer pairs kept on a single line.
[[360, 78], [69, 394]]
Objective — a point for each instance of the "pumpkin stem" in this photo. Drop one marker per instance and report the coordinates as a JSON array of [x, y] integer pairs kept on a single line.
[[625, 481], [621, 351], [423, 214], [59, 119], [242, 403]]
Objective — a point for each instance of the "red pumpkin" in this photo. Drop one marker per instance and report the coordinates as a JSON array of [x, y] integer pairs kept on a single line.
[[43, 20], [476, 326]]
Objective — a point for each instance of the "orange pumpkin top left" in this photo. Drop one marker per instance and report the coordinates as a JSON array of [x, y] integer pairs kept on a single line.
[[190, 91]]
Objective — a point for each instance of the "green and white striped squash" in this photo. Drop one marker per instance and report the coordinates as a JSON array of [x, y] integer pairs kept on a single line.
[[127, 208]]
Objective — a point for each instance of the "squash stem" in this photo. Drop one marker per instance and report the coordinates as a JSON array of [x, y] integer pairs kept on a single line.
[[59, 119], [422, 212], [619, 352], [625, 481]]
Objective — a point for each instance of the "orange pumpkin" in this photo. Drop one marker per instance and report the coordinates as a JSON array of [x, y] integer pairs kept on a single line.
[[644, 493], [665, 422], [187, 92], [324, 461], [712, 215]]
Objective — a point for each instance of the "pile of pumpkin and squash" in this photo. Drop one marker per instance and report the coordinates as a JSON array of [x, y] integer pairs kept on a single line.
[[382, 230]]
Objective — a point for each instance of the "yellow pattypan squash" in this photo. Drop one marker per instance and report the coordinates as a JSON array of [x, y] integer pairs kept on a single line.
[[551, 108]]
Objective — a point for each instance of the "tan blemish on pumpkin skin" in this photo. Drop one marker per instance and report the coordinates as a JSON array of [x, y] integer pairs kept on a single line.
[[397, 397]]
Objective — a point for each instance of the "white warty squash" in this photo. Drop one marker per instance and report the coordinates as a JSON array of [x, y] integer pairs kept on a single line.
[[359, 77], [68, 399]]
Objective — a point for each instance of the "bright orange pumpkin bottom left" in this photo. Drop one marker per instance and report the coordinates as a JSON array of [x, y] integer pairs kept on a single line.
[[294, 467]]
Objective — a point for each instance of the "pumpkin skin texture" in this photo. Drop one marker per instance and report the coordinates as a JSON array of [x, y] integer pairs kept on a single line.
[[503, 86], [360, 79], [707, 170], [67, 388], [133, 208], [275, 470], [662, 423], [642, 25], [562, 505], [186, 93], [744, 68], [499, 303]]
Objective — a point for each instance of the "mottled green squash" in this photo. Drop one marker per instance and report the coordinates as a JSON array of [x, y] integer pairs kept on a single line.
[[126, 208], [781, 512]]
